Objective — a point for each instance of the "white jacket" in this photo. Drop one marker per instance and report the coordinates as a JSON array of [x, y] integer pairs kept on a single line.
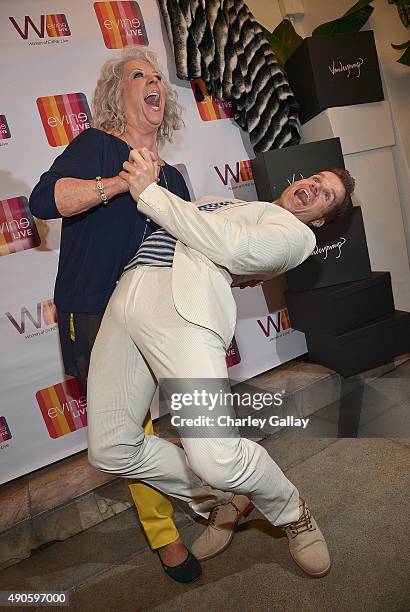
[[246, 239]]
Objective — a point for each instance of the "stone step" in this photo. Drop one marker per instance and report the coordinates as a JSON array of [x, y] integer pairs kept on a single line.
[[66, 498]]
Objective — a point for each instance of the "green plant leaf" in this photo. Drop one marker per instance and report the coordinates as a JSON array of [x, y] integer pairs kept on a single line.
[[287, 34], [358, 6], [352, 21], [284, 40], [405, 58], [402, 46], [277, 47]]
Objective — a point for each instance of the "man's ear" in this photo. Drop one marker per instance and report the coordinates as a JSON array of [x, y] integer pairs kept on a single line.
[[317, 222]]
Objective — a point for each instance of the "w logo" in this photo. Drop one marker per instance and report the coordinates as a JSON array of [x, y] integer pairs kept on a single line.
[[53, 25], [45, 314], [242, 172], [275, 323]]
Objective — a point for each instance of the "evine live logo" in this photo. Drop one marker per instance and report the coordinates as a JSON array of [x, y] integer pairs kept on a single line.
[[210, 109], [64, 116], [4, 130], [42, 29], [233, 356], [63, 407], [121, 24], [18, 230], [5, 433]]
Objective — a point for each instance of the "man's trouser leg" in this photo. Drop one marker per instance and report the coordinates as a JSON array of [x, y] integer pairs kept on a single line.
[[77, 334], [120, 391], [173, 348], [155, 511]]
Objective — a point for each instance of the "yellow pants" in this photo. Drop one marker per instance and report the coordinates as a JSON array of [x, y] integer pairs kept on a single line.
[[155, 511]]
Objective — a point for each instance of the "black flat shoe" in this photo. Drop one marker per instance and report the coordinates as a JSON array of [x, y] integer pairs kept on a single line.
[[187, 571]]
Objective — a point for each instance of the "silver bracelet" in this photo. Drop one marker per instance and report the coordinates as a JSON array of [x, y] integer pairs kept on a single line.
[[100, 186]]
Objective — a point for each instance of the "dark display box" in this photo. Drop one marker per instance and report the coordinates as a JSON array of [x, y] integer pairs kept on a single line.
[[363, 348], [340, 308], [340, 256], [334, 70], [273, 171]]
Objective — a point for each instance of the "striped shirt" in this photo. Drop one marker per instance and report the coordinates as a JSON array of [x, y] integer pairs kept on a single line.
[[158, 248]]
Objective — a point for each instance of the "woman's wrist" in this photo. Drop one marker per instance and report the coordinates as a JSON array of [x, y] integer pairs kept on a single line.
[[115, 185]]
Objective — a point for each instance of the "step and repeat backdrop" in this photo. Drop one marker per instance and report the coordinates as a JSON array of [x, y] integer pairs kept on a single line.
[[51, 54]]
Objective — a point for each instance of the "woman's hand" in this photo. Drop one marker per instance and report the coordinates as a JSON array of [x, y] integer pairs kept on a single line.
[[74, 196], [140, 170]]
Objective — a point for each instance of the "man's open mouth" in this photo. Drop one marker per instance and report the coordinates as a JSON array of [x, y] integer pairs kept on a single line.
[[152, 99], [302, 196]]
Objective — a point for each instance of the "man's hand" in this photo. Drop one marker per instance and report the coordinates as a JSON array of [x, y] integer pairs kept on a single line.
[[250, 283], [140, 170]]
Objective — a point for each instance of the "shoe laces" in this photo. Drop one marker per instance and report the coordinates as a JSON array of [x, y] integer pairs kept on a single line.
[[304, 523], [214, 514]]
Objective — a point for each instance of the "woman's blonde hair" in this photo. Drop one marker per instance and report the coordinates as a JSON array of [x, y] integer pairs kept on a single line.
[[107, 104]]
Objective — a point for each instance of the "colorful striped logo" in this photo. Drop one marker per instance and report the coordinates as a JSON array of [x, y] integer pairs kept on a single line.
[[245, 170], [18, 230], [49, 312], [4, 128], [233, 356], [64, 408], [121, 24], [57, 25], [64, 117], [284, 319], [209, 108], [5, 433]]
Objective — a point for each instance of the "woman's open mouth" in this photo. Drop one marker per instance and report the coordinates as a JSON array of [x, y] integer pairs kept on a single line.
[[153, 99]]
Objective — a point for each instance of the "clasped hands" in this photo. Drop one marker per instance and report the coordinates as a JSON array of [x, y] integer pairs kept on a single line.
[[141, 169]]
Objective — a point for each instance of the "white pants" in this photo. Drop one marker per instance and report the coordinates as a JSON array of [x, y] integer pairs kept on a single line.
[[142, 339]]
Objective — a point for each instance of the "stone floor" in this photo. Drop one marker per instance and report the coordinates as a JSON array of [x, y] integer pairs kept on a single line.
[[357, 487]]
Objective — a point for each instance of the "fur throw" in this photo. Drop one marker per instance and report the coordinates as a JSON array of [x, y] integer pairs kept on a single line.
[[220, 42]]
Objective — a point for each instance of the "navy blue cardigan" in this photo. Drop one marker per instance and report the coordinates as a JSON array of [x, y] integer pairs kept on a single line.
[[97, 244]]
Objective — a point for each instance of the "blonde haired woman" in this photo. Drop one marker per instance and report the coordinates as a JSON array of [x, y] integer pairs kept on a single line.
[[134, 106]]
